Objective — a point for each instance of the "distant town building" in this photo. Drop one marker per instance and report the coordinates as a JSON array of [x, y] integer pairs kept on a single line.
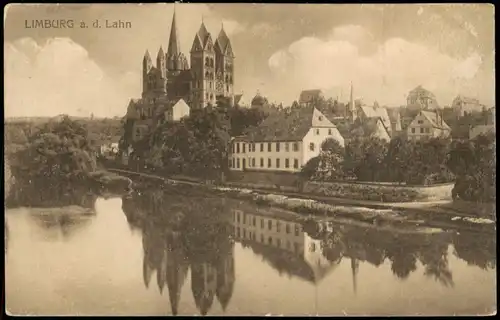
[[481, 129], [308, 97], [421, 99], [283, 142], [147, 116], [371, 128], [428, 124], [466, 105], [242, 101], [365, 113], [259, 101], [395, 117]]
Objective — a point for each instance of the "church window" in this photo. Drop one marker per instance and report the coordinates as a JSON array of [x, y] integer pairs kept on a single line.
[[207, 62]]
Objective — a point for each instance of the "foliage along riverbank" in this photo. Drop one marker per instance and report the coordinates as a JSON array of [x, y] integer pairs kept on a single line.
[[60, 156]]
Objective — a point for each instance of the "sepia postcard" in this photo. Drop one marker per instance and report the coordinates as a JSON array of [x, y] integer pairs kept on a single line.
[[249, 159]]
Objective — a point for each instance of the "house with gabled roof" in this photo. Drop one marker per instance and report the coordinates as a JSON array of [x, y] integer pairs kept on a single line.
[[366, 112], [428, 124], [284, 141], [372, 128]]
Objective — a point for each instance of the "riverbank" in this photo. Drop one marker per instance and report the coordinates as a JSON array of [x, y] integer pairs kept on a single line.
[[331, 208]]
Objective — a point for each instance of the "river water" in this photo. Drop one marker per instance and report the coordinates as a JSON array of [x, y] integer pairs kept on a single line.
[[163, 253]]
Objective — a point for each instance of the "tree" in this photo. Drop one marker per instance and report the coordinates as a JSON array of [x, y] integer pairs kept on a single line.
[[397, 160], [474, 164], [331, 159], [310, 168]]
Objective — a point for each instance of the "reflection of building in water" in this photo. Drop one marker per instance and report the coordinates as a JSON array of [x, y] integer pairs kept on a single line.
[[203, 285], [225, 278], [170, 264], [283, 243], [212, 275], [213, 278]]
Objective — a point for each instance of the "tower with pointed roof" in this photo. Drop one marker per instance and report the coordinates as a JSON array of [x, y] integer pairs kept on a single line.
[[161, 66], [147, 65], [224, 66], [203, 69]]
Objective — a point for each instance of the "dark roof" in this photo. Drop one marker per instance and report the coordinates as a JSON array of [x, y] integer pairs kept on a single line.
[[436, 119], [307, 95], [237, 98], [222, 41], [203, 34], [283, 126], [259, 100]]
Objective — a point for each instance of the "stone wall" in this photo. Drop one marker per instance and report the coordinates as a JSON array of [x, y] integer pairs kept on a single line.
[[380, 192], [375, 191], [271, 179]]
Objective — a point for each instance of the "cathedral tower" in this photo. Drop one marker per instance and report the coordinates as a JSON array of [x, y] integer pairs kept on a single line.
[[203, 69], [147, 65], [224, 71], [176, 61], [161, 66]]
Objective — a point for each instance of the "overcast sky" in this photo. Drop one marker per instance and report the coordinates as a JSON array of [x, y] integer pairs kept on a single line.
[[281, 49]]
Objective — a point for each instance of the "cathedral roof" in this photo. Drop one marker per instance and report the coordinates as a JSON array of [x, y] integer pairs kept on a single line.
[[174, 47], [147, 56], [161, 53], [223, 43], [203, 34]]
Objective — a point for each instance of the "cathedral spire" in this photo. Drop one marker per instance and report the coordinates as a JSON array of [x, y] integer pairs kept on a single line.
[[174, 47]]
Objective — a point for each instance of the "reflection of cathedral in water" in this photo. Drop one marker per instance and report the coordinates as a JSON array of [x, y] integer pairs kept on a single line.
[[212, 277]]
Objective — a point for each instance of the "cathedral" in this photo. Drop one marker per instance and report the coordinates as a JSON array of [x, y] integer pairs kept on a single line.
[[172, 88], [209, 77]]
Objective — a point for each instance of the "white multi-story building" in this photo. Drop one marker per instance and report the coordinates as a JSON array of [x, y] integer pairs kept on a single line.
[[283, 142]]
